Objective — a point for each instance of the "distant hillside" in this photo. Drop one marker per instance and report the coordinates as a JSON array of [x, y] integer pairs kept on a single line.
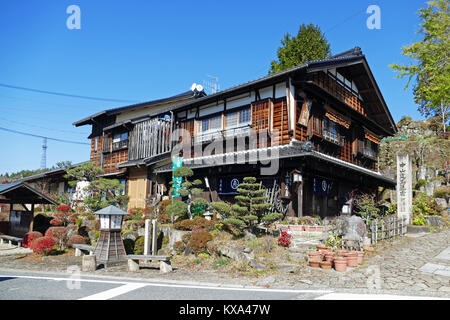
[[425, 142]]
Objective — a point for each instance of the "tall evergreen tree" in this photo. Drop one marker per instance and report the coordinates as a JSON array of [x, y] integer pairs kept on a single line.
[[309, 45]]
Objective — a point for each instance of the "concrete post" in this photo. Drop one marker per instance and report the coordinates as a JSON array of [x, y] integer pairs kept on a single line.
[[154, 236], [147, 237]]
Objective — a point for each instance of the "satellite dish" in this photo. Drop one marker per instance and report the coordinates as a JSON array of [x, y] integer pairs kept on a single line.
[[199, 88], [194, 85]]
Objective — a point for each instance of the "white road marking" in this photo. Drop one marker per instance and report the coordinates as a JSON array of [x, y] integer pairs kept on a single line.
[[218, 287], [355, 296], [111, 293]]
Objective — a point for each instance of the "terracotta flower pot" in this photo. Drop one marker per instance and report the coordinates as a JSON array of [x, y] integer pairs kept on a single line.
[[314, 262], [340, 264], [325, 265], [360, 255], [322, 247], [329, 257], [314, 254], [352, 258]]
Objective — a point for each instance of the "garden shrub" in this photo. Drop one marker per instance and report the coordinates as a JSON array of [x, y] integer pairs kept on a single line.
[[442, 192], [220, 262], [139, 245], [43, 245], [185, 225], [163, 205], [75, 239], [164, 218], [59, 234], [199, 241], [179, 247], [29, 237], [56, 222], [185, 238], [55, 231]]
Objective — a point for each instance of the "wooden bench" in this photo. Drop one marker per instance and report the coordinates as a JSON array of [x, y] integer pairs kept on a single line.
[[79, 248], [164, 262], [11, 239]]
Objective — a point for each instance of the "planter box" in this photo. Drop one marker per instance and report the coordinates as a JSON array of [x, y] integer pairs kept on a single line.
[[417, 229], [292, 227], [299, 228]]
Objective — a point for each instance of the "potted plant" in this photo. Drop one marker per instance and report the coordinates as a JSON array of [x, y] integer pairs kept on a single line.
[[326, 265], [313, 254], [329, 256], [340, 263], [314, 262], [352, 258], [360, 255]]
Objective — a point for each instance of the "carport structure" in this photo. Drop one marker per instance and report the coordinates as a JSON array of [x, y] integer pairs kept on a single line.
[[20, 194]]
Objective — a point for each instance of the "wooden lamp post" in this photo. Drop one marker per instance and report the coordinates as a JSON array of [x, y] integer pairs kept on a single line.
[[110, 249]]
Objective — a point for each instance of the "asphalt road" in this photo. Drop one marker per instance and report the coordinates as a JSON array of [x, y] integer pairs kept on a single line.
[[71, 286]]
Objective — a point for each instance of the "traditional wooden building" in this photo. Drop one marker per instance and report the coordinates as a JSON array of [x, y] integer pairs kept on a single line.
[[311, 132]]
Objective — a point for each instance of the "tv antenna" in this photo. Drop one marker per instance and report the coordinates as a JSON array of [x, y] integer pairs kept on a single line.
[[212, 84], [44, 154]]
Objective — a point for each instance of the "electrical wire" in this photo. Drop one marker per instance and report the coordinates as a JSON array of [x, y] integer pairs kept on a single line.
[[39, 136], [63, 94]]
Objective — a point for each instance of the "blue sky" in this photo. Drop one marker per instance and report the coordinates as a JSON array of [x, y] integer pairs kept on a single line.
[[142, 50]]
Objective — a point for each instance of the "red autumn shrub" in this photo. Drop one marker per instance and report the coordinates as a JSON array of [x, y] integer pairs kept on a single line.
[[56, 222], [54, 232], [59, 234], [63, 208], [284, 239], [75, 239], [42, 245], [29, 237]]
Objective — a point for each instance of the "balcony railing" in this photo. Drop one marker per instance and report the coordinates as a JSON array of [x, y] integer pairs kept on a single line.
[[370, 153], [211, 135], [333, 137], [119, 145]]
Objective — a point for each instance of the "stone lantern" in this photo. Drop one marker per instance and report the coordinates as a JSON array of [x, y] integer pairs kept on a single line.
[[110, 249]]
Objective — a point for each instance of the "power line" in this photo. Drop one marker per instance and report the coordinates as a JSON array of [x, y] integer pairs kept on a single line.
[[45, 128], [64, 94], [43, 137]]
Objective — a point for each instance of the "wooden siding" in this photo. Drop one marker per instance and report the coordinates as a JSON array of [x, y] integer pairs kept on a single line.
[[324, 81], [111, 160], [96, 155], [280, 122]]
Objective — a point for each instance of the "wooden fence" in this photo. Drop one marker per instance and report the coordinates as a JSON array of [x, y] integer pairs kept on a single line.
[[387, 228]]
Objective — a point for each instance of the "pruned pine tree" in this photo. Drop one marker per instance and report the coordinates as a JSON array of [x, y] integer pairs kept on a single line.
[[251, 206], [188, 191]]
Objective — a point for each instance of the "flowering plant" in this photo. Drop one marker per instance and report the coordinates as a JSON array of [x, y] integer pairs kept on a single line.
[[284, 239]]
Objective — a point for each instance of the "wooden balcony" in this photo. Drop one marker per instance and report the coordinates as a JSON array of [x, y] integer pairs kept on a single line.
[[338, 90], [333, 138]]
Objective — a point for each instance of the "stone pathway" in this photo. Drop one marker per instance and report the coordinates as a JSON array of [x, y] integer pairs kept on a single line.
[[404, 266], [11, 250]]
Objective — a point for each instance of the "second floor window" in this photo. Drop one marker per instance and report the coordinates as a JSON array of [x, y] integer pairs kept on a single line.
[[330, 131], [212, 124], [238, 120]]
